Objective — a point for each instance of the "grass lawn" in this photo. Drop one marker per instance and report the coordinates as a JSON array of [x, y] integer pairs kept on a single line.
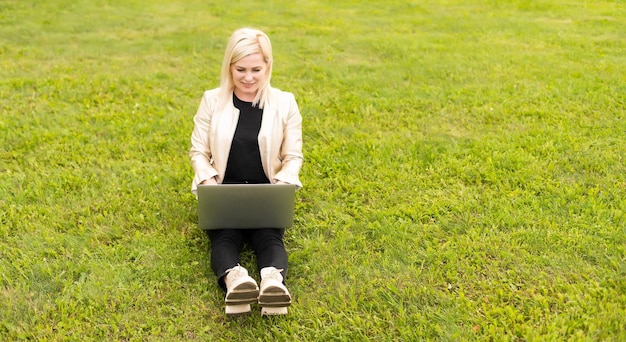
[[465, 173]]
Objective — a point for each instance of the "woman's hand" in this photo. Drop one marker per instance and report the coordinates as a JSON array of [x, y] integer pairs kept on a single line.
[[210, 181]]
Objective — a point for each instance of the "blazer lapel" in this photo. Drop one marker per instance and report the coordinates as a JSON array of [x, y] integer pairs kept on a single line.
[[265, 134], [224, 133]]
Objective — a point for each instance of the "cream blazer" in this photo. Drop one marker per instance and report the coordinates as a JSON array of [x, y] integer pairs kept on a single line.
[[280, 138]]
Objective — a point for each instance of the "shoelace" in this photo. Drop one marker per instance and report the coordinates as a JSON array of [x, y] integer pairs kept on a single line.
[[273, 273], [239, 271]]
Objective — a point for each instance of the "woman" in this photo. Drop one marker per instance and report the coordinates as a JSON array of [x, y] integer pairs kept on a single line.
[[246, 131]]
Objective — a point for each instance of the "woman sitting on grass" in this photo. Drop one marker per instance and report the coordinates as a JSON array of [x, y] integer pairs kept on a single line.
[[245, 112]]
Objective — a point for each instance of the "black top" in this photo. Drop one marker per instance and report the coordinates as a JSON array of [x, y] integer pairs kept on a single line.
[[244, 161]]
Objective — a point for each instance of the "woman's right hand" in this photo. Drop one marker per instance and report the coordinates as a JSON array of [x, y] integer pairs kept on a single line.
[[210, 181]]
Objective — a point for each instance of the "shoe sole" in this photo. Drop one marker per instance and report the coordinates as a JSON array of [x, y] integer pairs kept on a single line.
[[245, 293], [274, 297]]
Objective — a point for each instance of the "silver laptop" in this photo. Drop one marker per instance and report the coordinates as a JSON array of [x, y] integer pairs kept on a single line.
[[246, 206]]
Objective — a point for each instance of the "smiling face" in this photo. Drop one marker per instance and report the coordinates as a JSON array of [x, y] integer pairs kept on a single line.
[[248, 74]]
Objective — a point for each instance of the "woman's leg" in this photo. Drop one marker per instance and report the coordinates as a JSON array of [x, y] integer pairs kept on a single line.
[[269, 248], [274, 298], [226, 244]]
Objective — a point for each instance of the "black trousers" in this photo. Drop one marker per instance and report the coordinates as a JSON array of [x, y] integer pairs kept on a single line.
[[226, 245]]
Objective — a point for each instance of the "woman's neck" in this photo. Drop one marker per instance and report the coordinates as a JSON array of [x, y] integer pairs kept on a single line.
[[244, 97]]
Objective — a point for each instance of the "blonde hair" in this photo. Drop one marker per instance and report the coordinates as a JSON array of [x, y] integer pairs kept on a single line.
[[244, 42]]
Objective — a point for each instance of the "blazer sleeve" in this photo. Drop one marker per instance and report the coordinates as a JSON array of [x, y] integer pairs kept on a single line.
[[200, 152], [291, 148]]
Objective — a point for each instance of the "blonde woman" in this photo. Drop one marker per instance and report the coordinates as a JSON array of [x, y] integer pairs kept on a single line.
[[246, 131]]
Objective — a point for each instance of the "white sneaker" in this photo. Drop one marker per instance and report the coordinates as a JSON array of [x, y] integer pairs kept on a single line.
[[241, 291], [274, 298]]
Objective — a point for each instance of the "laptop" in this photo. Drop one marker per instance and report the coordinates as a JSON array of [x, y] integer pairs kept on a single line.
[[245, 206]]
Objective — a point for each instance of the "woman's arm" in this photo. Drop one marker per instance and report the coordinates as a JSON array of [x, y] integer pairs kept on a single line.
[[200, 152], [291, 147]]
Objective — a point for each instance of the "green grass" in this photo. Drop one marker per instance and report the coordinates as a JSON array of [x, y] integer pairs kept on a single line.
[[464, 175]]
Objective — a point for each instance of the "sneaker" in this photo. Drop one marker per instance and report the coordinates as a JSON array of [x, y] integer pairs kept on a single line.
[[274, 298], [241, 291]]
